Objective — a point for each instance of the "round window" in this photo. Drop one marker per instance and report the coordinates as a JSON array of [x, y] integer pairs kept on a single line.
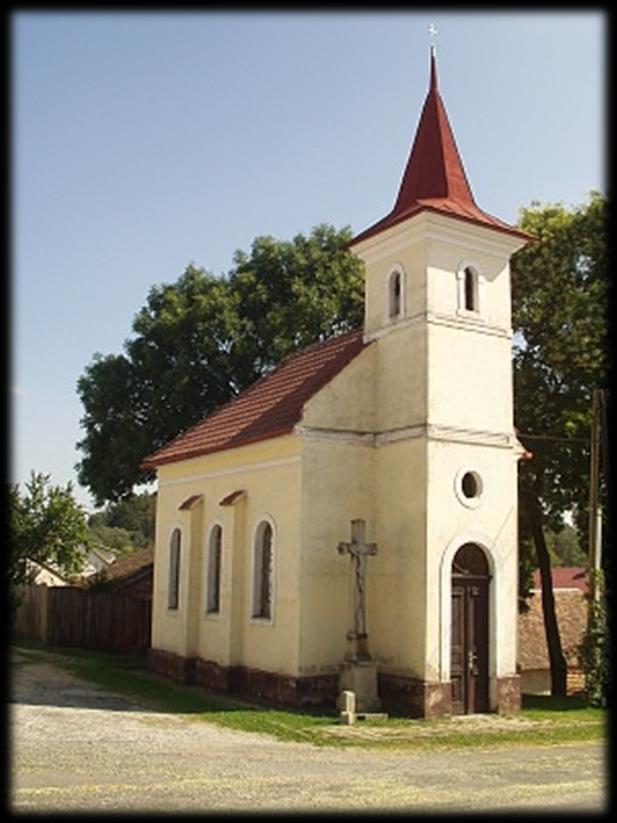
[[468, 487]]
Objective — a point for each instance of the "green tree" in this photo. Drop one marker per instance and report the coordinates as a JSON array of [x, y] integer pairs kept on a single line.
[[559, 295], [127, 524], [564, 547], [116, 539], [46, 525], [198, 342]]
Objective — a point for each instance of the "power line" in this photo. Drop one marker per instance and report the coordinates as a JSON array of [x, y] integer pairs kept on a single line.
[[549, 437]]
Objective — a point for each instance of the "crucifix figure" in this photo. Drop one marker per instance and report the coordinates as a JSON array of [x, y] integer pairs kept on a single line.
[[359, 550]]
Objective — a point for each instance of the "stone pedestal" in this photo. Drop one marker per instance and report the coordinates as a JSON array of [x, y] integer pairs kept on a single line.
[[360, 677]]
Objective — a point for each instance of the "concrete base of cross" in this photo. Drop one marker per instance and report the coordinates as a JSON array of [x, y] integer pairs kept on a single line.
[[360, 677]]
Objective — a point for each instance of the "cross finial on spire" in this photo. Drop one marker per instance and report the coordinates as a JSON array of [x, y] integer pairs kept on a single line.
[[432, 32]]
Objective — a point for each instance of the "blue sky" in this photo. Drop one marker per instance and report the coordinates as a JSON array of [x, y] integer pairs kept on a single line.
[[144, 141]]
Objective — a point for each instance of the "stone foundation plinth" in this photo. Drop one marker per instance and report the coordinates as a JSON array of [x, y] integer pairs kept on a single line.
[[319, 691], [414, 698], [509, 697]]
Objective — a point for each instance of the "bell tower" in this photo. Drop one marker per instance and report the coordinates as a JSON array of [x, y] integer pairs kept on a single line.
[[437, 306]]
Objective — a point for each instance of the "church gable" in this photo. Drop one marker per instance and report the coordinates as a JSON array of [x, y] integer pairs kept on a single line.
[[345, 404], [270, 407]]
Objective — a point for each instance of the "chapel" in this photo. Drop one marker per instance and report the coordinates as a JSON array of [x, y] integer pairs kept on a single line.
[[399, 434]]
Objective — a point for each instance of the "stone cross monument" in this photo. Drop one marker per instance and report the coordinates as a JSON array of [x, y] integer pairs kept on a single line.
[[359, 672], [359, 551]]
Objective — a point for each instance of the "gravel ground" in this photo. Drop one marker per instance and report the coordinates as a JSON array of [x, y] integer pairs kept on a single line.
[[75, 747]]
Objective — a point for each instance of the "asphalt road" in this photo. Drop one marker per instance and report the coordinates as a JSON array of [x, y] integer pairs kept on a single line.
[[77, 748]]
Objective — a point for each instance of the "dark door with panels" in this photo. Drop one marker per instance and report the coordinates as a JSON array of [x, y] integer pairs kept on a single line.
[[469, 636]]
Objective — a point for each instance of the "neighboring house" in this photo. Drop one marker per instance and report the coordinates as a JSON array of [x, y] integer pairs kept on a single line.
[[570, 587], [132, 574], [44, 574], [98, 559], [406, 424]]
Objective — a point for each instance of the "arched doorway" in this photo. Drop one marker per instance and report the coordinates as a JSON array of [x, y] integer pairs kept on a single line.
[[469, 636]]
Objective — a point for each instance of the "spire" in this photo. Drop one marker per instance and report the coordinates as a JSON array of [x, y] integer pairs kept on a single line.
[[434, 177], [434, 169]]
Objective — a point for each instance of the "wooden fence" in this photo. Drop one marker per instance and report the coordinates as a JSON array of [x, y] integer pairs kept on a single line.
[[69, 616]]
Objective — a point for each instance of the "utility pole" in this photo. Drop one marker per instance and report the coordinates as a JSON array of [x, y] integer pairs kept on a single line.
[[595, 511]]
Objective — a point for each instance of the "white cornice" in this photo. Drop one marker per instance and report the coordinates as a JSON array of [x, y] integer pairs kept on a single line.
[[427, 225], [429, 431], [473, 324]]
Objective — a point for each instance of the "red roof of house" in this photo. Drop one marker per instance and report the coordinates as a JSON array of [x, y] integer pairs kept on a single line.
[[571, 611], [564, 577], [270, 407], [434, 178], [127, 566]]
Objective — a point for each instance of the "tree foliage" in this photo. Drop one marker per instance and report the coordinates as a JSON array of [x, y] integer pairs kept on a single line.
[[559, 297], [127, 524], [201, 340], [46, 526]]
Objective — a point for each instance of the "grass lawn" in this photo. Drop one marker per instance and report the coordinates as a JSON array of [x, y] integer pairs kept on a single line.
[[543, 720]]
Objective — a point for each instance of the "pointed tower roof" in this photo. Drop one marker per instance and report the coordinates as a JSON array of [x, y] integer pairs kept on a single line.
[[434, 178]]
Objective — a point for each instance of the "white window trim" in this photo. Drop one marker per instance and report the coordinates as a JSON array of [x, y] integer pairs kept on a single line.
[[399, 269], [170, 611], [478, 289], [207, 614], [263, 621], [469, 502]]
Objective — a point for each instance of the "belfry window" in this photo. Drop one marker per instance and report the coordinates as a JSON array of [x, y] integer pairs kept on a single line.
[[470, 289], [213, 585], [395, 294], [174, 570], [263, 572]]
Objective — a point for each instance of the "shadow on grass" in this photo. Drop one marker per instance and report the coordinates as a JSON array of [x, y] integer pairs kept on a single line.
[[548, 703]]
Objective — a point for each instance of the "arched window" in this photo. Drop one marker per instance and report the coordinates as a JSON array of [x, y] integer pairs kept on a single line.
[[470, 560], [213, 583], [174, 570], [395, 294], [262, 572], [470, 289]]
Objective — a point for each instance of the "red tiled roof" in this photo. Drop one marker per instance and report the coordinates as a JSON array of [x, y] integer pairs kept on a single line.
[[270, 407], [571, 611], [434, 178], [131, 563], [565, 577]]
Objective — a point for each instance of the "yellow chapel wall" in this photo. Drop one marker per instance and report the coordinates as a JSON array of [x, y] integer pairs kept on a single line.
[[337, 477], [270, 473], [347, 476]]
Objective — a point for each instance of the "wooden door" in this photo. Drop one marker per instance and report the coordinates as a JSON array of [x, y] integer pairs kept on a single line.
[[469, 637]]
